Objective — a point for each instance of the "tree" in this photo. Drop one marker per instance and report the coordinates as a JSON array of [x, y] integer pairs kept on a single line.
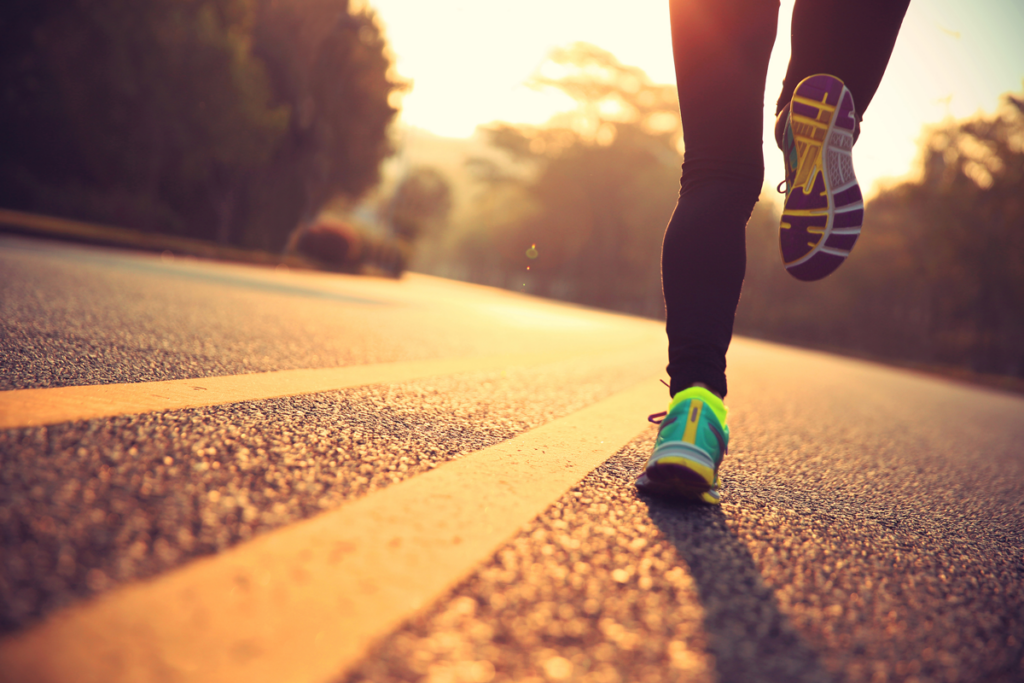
[[330, 68], [131, 113], [226, 119], [594, 188], [971, 198], [420, 204]]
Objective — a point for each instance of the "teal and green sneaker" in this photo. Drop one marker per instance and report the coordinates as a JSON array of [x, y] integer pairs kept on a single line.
[[692, 441]]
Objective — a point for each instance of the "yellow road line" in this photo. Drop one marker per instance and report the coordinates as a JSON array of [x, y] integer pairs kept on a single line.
[[303, 604], [35, 407]]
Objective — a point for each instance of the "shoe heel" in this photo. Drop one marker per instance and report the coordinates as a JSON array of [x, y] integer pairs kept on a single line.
[[679, 470]]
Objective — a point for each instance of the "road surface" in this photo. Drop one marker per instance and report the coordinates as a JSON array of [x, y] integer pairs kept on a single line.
[[448, 496]]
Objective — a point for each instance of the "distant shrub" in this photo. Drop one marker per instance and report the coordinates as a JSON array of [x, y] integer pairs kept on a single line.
[[331, 242]]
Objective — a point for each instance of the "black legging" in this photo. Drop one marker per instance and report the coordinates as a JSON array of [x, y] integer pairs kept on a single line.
[[721, 52]]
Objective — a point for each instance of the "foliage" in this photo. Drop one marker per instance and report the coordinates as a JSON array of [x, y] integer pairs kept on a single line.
[[420, 204], [119, 110], [587, 196], [171, 115], [329, 66]]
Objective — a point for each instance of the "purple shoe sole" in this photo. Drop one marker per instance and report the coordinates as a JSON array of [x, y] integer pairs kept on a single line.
[[672, 480], [824, 208]]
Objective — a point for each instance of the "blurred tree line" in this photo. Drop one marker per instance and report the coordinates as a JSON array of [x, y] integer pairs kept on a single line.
[[232, 120], [576, 211]]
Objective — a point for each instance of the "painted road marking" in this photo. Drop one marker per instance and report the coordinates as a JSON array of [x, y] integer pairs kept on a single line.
[[36, 407], [303, 604]]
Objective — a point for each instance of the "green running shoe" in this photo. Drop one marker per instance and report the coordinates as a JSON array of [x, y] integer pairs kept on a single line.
[[692, 441]]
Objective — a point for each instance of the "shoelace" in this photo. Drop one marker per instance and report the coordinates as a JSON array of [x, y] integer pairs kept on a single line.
[[656, 418]]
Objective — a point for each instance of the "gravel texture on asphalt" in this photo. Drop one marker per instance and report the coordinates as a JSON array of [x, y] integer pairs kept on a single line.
[[871, 528], [872, 560], [74, 316], [86, 506], [66, 323]]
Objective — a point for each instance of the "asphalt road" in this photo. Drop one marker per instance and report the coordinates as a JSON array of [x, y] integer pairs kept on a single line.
[[871, 528]]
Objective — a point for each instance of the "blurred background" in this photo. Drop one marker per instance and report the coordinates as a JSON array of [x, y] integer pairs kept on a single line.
[[533, 146]]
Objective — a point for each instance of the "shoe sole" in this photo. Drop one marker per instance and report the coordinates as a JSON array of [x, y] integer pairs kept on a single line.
[[824, 209], [677, 470]]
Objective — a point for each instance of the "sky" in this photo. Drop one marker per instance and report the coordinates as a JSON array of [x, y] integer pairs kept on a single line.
[[467, 61]]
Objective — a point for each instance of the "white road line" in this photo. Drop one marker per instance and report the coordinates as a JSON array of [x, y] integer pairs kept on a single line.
[[303, 604], [36, 407]]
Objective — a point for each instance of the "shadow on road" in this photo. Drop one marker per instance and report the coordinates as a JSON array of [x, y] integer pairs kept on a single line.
[[750, 638]]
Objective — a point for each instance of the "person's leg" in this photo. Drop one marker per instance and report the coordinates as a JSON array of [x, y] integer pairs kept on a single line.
[[721, 50], [849, 39]]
